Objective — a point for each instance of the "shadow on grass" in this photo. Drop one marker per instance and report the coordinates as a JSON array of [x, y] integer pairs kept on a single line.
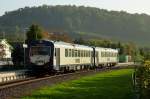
[[108, 87]]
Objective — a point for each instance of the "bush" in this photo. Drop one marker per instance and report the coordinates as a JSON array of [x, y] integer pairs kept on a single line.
[[143, 80]]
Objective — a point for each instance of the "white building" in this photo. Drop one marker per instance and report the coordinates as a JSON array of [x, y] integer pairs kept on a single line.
[[5, 49]]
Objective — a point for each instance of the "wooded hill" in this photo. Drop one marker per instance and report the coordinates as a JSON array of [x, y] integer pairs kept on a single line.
[[82, 21]]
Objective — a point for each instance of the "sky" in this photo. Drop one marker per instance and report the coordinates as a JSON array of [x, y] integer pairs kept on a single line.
[[131, 6]]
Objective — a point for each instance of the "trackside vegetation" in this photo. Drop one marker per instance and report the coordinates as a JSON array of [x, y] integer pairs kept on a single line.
[[115, 84], [142, 85]]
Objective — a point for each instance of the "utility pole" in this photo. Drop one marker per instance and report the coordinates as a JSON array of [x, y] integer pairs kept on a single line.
[[36, 35], [24, 47]]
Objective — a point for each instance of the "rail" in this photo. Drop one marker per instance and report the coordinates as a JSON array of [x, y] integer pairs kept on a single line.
[[9, 76]]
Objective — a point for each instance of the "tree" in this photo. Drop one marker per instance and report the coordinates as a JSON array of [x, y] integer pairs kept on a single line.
[[17, 55], [92, 21], [59, 36], [79, 41], [34, 32]]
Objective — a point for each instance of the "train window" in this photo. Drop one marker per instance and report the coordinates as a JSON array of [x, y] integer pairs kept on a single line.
[[92, 54], [81, 53], [86, 53], [72, 52], [40, 50], [102, 54], [69, 52], [105, 54], [66, 52], [109, 54], [78, 53], [96, 54], [114, 55]]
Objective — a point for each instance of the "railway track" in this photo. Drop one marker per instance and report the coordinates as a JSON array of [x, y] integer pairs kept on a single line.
[[17, 89]]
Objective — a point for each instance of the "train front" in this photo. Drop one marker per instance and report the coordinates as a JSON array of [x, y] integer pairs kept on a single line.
[[41, 56]]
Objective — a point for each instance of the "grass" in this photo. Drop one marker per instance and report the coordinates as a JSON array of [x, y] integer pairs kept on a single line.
[[116, 84]]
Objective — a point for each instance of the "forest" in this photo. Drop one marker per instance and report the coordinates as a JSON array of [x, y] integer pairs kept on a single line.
[[79, 21]]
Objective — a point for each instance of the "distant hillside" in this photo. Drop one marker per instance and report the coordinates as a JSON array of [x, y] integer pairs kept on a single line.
[[86, 21]]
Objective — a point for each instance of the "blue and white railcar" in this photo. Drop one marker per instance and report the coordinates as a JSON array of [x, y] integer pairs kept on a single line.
[[41, 54], [59, 56]]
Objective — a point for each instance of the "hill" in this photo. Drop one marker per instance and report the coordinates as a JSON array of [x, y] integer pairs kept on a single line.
[[80, 21]]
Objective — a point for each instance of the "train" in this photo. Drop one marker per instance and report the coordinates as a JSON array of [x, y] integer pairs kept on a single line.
[[46, 56]]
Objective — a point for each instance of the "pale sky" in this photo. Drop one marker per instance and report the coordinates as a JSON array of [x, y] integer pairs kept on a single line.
[[131, 6]]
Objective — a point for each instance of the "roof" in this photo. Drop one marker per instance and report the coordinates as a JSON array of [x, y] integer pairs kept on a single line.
[[78, 46], [106, 49], [71, 45]]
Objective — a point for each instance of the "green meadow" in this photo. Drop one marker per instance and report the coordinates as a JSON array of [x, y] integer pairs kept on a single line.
[[115, 84]]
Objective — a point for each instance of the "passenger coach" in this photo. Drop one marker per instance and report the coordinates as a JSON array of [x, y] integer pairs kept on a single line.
[[105, 57]]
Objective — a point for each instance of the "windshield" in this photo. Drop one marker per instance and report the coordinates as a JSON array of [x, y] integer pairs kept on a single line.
[[40, 50]]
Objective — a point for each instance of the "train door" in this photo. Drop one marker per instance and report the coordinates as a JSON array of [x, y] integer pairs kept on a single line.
[[97, 58], [57, 56], [92, 58]]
